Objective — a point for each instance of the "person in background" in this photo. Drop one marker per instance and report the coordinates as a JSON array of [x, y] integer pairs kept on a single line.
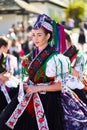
[[81, 37], [70, 24], [85, 24], [47, 103], [25, 45], [29, 28], [78, 67], [13, 50], [19, 52], [6, 70]]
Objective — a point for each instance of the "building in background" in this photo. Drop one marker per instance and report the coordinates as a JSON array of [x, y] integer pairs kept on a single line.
[[12, 12]]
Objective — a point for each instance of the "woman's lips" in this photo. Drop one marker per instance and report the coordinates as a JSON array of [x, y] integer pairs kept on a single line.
[[37, 42]]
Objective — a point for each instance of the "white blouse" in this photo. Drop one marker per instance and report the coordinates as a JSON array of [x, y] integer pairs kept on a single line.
[[58, 66]]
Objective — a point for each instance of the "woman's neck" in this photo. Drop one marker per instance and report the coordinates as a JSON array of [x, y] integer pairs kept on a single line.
[[42, 47], [0, 53]]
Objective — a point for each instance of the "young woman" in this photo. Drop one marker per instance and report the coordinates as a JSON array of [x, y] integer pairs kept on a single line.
[[44, 106], [78, 67], [82, 36]]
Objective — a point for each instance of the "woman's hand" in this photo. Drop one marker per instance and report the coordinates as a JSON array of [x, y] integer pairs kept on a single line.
[[4, 78], [30, 89], [48, 88], [75, 73]]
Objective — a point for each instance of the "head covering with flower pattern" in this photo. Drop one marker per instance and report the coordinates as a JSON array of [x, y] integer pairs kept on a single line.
[[43, 21]]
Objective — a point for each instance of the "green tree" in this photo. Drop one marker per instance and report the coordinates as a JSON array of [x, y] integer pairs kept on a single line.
[[56, 18], [76, 10]]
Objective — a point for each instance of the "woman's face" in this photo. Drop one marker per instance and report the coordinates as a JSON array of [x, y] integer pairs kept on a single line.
[[4, 49], [40, 39]]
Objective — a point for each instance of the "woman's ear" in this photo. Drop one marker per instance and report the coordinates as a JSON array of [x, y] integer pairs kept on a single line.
[[48, 36]]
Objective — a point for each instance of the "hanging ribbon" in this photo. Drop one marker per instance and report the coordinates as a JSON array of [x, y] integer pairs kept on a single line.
[[4, 90], [54, 33], [62, 39], [39, 112], [21, 91], [58, 37], [18, 111]]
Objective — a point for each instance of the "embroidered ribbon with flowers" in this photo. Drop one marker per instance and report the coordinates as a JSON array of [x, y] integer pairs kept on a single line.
[[3, 68], [39, 112], [38, 107]]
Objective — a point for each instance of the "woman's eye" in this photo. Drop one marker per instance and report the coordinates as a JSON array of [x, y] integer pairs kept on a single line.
[[33, 35], [39, 35]]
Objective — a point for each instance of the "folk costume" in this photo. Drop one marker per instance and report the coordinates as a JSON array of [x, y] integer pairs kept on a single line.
[[51, 101], [3, 101], [46, 110], [80, 67], [77, 63], [75, 111], [6, 93]]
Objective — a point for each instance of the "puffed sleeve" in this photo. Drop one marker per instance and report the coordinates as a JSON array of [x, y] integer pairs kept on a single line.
[[57, 66], [51, 68], [80, 62]]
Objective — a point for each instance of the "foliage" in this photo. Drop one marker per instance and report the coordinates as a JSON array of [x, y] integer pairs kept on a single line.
[[56, 18], [75, 10]]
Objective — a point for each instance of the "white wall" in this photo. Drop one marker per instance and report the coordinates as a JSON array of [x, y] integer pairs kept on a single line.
[[7, 20], [48, 8]]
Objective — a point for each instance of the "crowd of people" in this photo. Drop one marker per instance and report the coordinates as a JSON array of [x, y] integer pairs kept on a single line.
[[50, 93]]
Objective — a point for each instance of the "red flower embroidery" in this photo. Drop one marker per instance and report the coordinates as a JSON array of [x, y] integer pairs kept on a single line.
[[43, 128], [41, 120], [36, 63], [43, 54], [25, 62], [11, 123], [27, 98], [19, 111], [31, 71], [37, 105]]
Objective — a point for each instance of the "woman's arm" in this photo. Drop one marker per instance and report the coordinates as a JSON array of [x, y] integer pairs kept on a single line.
[[3, 78], [75, 73], [79, 66], [48, 88]]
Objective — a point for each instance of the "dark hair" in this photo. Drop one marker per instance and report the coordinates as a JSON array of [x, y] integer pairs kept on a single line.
[[3, 42], [13, 43], [68, 38], [46, 32]]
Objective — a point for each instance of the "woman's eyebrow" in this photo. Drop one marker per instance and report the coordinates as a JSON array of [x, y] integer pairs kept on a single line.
[[37, 33]]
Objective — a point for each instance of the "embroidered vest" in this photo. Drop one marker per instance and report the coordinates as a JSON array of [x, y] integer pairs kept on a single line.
[[37, 72]]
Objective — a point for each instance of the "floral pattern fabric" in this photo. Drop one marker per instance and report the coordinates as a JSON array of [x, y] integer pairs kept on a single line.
[[75, 111]]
